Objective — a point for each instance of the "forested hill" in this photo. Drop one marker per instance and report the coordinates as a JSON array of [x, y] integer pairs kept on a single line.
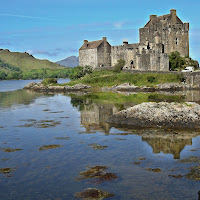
[[25, 61], [15, 65]]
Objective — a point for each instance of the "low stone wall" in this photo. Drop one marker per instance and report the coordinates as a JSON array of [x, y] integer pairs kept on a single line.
[[192, 78]]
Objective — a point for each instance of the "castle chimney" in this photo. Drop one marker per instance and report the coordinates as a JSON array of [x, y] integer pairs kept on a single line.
[[152, 17], [104, 38], [85, 41], [125, 42], [186, 26], [173, 16]]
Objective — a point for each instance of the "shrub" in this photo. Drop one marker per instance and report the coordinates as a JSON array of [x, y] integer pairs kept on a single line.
[[181, 77], [47, 81], [80, 71], [151, 79], [176, 61], [120, 64]]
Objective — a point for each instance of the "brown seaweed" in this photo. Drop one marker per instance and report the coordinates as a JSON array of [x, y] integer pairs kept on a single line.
[[93, 194], [97, 146], [47, 147], [98, 174]]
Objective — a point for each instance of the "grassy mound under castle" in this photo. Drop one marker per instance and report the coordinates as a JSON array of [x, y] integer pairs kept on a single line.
[[111, 78]]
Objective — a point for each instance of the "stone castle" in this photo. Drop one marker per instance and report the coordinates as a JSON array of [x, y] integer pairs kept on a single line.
[[159, 37]]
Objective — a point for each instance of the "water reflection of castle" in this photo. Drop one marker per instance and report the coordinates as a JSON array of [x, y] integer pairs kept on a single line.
[[168, 145], [94, 116]]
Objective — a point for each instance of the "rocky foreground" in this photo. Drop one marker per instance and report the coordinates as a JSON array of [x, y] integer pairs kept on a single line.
[[163, 114], [127, 87]]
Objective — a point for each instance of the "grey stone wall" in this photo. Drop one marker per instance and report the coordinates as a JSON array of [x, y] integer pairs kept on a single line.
[[192, 78], [104, 54], [88, 57]]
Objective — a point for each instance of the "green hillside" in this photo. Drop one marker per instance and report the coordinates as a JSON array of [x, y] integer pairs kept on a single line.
[[15, 65], [26, 62]]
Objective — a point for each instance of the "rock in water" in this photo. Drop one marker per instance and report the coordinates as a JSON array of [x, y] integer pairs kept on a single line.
[[93, 194], [151, 114]]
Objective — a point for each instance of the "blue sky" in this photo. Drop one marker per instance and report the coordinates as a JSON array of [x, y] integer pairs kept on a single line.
[[54, 30]]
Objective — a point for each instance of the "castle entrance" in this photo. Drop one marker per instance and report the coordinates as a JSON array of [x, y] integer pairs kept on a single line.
[[132, 64]]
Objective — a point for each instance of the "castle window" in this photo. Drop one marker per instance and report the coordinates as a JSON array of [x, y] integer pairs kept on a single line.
[[176, 41], [163, 48], [148, 46]]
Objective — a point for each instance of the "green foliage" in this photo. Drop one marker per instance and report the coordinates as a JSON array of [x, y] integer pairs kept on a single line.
[[25, 61], [176, 61], [119, 99], [151, 79], [48, 81], [14, 65], [35, 74], [181, 77], [120, 64], [110, 78], [2, 75], [80, 71], [193, 63]]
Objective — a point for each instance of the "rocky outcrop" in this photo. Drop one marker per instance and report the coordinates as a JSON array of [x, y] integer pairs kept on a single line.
[[77, 87], [132, 88], [41, 87], [127, 87], [163, 114]]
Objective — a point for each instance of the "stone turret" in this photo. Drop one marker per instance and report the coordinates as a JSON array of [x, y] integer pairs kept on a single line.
[[173, 16], [152, 17]]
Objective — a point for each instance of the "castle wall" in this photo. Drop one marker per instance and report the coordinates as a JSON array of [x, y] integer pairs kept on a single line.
[[117, 53], [88, 57], [104, 54]]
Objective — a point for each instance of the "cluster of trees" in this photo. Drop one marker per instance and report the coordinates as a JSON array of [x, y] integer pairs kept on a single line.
[[16, 73], [177, 62]]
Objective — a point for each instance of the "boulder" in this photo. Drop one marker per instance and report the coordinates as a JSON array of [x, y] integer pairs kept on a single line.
[[163, 114]]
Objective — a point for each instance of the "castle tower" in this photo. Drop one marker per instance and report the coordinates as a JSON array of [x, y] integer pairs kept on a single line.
[[174, 34]]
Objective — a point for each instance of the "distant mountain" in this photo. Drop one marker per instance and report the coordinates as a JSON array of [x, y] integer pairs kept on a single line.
[[25, 61], [71, 61]]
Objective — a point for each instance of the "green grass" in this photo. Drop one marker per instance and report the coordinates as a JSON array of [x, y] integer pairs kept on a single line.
[[116, 98], [110, 78], [25, 61]]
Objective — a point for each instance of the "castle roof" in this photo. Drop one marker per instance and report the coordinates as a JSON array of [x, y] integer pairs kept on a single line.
[[91, 45], [161, 18]]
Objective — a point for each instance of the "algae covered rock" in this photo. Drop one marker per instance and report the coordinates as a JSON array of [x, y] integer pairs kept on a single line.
[[93, 194]]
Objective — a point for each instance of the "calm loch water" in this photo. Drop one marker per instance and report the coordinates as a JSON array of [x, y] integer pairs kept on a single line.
[[149, 164]]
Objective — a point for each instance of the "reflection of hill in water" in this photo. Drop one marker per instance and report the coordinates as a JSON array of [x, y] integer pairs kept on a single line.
[[8, 99], [168, 142]]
